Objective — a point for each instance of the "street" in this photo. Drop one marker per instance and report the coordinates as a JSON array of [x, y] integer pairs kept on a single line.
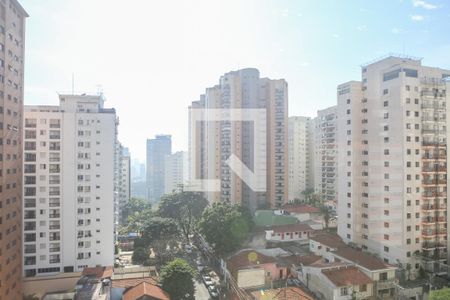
[[201, 292]]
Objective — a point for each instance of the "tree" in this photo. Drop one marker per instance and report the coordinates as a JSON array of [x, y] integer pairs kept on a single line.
[[326, 213], [157, 228], [140, 255], [177, 279], [225, 226], [185, 208], [134, 206], [137, 220], [441, 294]]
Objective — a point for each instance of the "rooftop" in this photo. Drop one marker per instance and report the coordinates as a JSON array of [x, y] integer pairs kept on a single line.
[[145, 289], [300, 209], [363, 259], [247, 258], [305, 260], [266, 218], [287, 293], [290, 228], [328, 239], [346, 276], [98, 272]]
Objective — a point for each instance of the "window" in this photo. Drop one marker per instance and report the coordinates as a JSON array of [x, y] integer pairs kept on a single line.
[[363, 288], [344, 291], [383, 276]]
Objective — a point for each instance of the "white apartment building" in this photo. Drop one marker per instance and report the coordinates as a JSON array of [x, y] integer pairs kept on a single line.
[[211, 143], [393, 162], [124, 181], [176, 171], [69, 178], [325, 153], [300, 157]]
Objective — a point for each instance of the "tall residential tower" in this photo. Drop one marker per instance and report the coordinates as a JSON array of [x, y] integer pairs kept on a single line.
[[12, 50], [393, 162], [157, 149], [69, 185], [212, 142]]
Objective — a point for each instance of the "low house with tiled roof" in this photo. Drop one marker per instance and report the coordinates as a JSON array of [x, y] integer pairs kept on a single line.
[[145, 291], [333, 249], [335, 281], [322, 243], [381, 273], [302, 212], [285, 293], [346, 283], [251, 269], [289, 233]]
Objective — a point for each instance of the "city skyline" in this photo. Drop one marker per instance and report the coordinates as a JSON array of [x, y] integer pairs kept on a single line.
[[309, 42]]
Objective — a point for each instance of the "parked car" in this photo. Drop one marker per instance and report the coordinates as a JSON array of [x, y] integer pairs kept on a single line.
[[213, 291], [207, 280]]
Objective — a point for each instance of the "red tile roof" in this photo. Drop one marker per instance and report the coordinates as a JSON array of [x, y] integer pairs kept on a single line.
[[347, 276], [291, 228], [360, 258], [300, 209], [126, 283], [328, 239], [145, 289], [247, 258], [99, 272], [288, 293]]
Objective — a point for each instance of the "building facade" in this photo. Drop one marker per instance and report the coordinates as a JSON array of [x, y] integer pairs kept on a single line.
[[12, 50], [176, 172], [326, 153], [157, 149], [213, 142], [301, 167], [124, 181], [392, 194], [69, 185]]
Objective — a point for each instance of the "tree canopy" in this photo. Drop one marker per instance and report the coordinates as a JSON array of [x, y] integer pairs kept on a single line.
[[225, 226], [185, 208], [441, 294], [177, 279]]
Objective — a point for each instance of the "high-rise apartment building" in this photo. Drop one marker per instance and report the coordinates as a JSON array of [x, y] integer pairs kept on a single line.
[[176, 172], [212, 142], [301, 167], [124, 181], [393, 162], [12, 43], [69, 184], [157, 149], [326, 153]]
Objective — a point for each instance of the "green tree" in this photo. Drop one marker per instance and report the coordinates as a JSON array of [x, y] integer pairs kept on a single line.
[[185, 208], [132, 207], [157, 228], [177, 279], [140, 255], [137, 221], [225, 226], [326, 213], [442, 294]]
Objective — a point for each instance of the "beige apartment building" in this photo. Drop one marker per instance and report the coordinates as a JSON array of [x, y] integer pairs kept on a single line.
[[393, 162], [12, 43], [212, 142], [325, 153], [301, 158]]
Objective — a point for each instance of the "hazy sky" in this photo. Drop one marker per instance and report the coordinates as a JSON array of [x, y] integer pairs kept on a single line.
[[152, 58]]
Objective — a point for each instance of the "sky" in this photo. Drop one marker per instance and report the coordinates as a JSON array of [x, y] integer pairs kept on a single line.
[[151, 59]]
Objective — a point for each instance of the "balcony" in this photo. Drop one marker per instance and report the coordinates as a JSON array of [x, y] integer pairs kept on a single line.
[[385, 284], [433, 195], [54, 249], [433, 207], [55, 238], [434, 157], [54, 215], [29, 228], [55, 261], [54, 227], [434, 182]]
